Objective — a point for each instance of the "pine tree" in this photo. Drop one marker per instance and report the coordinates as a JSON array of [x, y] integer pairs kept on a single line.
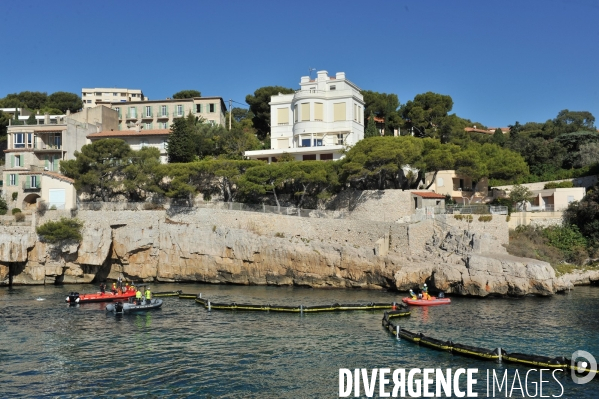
[[180, 147]]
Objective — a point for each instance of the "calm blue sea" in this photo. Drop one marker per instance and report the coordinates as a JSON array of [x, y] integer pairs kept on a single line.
[[51, 350]]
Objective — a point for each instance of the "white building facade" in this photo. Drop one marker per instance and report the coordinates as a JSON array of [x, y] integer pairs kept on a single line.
[[93, 97], [316, 122]]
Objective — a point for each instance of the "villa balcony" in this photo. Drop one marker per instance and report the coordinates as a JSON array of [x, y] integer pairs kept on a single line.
[[144, 116], [28, 186], [162, 115]]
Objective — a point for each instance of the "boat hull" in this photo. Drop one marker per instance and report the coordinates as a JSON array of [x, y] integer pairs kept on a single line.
[[75, 297], [427, 302], [133, 307]]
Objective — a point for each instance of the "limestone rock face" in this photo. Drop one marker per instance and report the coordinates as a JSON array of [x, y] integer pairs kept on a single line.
[[223, 246]]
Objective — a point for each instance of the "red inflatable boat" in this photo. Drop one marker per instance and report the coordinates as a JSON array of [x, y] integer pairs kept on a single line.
[[75, 297], [434, 301]]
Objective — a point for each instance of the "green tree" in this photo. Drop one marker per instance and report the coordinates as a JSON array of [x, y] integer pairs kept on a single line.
[[515, 131], [3, 206], [180, 145], [519, 195], [259, 106], [585, 215], [187, 94], [61, 230], [142, 175], [31, 120], [424, 114], [588, 155], [371, 130], [64, 101], [572, 121], [98, 168], [384, 106], [499, 137], [264, 179], [573, 142]]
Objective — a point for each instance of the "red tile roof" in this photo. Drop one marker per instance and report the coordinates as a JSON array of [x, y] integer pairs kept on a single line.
[[428, 194], [128, 133], [58, 176]]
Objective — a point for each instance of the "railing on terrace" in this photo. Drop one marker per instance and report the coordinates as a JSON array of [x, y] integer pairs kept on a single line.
[[540, 208], [234, 206]]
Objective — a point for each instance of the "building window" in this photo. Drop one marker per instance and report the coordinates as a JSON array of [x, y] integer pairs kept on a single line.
[[339, 113], [309, 157], [282, 116], [163, 125], [212, 107], [306, 142], [199, 108], [18, 160], [360, 119], [123, 94], [133, 112], [305, 110], [115, 94], [326, 157], [318, 111], [19, 140], [143, 143], [118, 110], [179, 110], [163, 110], [29, 140], [148, 110], [98, 93], [12, 179], [339, 139], [333, 87], [148, 126], [89, 101], [84, 94], [32, 182], [318, 142]]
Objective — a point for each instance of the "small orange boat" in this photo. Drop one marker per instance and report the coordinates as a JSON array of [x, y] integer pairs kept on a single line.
[[75, 297], [434, 301]]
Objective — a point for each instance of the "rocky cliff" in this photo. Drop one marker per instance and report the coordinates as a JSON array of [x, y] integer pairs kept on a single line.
[[218, 246]]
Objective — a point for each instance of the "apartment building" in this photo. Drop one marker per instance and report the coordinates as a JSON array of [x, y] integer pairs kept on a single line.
[[159, 114], [92, 97], [317, 121], [35, 151]]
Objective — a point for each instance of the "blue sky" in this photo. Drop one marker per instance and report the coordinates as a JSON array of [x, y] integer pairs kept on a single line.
[[500, 61]]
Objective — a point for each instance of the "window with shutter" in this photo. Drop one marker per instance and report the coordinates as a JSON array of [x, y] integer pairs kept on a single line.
[[318, 111], [305, 110], [282, 116], [338, 112]]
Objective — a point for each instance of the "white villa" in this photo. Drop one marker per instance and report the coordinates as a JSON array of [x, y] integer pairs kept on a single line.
[[317, 121]]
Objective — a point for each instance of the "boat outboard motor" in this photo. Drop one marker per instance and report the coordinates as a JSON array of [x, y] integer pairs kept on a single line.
[[118, 307], [73, 298]]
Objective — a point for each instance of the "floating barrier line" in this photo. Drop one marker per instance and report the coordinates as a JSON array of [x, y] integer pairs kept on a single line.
[[481, 353], [303, 309], [395, 310]]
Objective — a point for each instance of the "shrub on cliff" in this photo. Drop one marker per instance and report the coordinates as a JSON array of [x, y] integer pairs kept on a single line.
[[3, 206], [64, 229]]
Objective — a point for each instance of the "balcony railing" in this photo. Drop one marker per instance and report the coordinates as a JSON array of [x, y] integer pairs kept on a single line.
[[131, 115], [146, 116], [36, 186], [162, 115]]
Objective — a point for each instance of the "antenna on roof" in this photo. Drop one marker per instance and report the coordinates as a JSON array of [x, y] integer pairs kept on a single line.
[[310, 71]]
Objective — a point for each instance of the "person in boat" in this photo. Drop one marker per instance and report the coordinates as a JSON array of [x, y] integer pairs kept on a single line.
[[102, 288], [413, 294], [113, 288], [138, 296], [425, 294], [148, 294]]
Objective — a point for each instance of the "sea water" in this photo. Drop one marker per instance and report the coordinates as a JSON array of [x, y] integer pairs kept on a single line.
[[49, 349]]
